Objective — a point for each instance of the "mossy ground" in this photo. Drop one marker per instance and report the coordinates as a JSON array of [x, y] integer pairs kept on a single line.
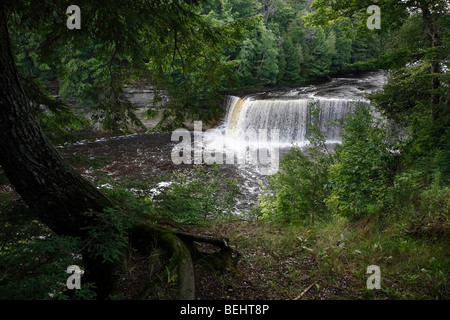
[[279, 262]]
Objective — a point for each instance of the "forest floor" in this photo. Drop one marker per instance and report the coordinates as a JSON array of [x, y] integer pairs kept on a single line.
[[326, 261], [323, 261], [282, 262], [263, 272], [271, 267]]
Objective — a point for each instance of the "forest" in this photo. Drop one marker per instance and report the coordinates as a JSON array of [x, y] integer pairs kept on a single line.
[[85, 181]]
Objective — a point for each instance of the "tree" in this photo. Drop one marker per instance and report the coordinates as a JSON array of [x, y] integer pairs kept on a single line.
[[319, 58], [268, 67], [247, 61], [434, 15], [416, 95], [342, 53], [64, 200], [363, 169], [38, 173], [292, 57]]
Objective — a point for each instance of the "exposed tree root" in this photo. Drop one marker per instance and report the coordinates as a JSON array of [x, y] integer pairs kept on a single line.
[[182, 249], [225, 258], [181, 257]]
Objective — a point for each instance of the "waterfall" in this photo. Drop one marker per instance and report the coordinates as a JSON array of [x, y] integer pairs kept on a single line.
[[290, 117], [258, 127]]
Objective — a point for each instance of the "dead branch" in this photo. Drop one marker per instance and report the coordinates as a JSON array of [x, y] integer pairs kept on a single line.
[[306, 290]]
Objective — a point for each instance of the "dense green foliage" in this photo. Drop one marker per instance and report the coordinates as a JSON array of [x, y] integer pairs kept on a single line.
[[208, 47], [365, 164], [355, 180], [280, 47], [395, 170], [300, 187], [384, 164], [33, 259]]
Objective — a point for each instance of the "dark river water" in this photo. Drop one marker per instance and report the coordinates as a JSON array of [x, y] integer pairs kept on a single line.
[[150, 153]]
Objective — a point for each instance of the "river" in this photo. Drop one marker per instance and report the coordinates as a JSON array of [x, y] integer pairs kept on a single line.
[[280, 108]]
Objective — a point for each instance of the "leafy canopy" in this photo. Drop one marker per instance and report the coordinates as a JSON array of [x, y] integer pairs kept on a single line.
[[169, 43]]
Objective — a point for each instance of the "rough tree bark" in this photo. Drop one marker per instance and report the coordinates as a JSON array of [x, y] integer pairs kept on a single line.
[[432, 30], [44, 180], [439, 102], [182, 248], [60, 195], [51, 187]]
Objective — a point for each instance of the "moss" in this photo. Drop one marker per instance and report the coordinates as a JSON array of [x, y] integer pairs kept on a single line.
[[181, 257]]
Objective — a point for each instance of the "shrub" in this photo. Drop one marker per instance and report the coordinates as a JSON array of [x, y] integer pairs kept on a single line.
[[361, 177], [298, 190], [432, 218], [197, 195], [33, 260]]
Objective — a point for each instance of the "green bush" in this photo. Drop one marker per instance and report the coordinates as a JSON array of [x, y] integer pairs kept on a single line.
[[298, 190], [432, 213], [34, 260], [109, 237], [361, 176], [197, 195]]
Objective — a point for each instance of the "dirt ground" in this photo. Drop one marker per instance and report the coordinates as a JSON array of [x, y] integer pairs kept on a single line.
[[263, 273]]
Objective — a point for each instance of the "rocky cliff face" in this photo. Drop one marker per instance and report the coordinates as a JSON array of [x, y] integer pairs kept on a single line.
[[142, 96]]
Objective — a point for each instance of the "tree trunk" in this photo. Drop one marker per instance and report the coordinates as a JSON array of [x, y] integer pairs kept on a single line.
[[44, 180], [439, 103], [60, 195], [430, 26]]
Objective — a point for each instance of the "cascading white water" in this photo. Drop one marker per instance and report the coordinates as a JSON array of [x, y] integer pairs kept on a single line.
[[290, 117], [259, 127]]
